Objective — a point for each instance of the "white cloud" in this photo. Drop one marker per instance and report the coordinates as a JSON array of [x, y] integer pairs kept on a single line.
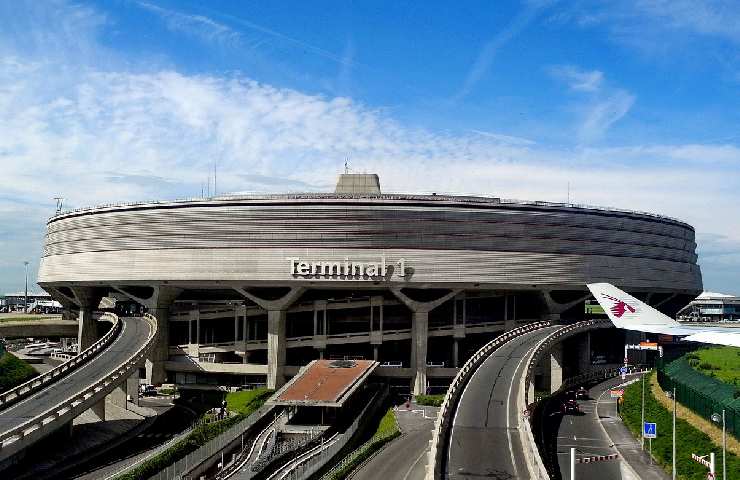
[[578, 79], [97, 135], [198, 25], [600, 106]]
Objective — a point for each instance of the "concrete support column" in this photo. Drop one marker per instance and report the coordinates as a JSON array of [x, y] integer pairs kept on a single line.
[[556, 367], [276, 320], [584, 353], [87, 329], [160, 350], [132, 388], [455, 353], [118, 396], [99, 410], [419, 351]]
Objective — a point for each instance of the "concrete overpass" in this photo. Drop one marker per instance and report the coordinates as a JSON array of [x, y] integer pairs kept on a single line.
[[50, 402], [51, 327]]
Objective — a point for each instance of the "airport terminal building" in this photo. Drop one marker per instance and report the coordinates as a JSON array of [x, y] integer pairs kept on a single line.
[[247, 289]]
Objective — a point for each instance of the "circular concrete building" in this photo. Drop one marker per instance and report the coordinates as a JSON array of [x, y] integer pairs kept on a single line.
[[253, 286]]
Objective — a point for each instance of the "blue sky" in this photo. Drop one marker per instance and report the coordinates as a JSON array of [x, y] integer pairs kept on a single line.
[[632, 104]]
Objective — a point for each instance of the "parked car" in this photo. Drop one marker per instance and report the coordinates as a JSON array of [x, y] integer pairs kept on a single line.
[[148, 391]]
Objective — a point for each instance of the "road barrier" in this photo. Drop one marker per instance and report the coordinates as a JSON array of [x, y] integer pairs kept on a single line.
[[65, 411], [438, 451], [32, 386]]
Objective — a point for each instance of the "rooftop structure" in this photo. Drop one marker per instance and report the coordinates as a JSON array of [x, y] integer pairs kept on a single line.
[[325, 383], [711, 307]]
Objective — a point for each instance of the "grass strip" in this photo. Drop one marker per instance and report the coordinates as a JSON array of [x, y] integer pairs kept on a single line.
[[688, 438], [387, 430]]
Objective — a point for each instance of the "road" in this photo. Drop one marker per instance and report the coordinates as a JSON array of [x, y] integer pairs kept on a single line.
[[405, 458], [600, 431], [134, 334], [484, 439]]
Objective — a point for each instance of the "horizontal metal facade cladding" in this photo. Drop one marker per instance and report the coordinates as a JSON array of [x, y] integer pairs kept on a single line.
[[401, 225], [423, 267]]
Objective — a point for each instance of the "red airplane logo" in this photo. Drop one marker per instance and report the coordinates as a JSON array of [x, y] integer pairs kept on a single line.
[[619, 306]]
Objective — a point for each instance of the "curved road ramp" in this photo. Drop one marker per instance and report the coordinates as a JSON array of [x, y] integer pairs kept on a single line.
[[482, 430], [47, 403]]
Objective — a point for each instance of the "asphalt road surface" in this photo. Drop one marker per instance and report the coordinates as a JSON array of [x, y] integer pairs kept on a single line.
[[133, 335], [484, 440], [600, 431], [405, 458], [585, 434]]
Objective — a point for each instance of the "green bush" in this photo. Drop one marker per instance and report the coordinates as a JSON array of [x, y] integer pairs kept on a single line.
[[387, 430], [430, 400], [689, 439], [14, 371], [245, 403]]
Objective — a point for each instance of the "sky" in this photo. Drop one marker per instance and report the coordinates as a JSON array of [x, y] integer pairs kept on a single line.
[[628, 104]]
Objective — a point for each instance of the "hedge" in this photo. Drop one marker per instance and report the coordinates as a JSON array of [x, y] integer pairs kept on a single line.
[[14, 371], [430, 400]]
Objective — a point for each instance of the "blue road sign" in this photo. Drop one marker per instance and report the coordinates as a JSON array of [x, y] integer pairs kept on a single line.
[[623, 371], [649, 430]]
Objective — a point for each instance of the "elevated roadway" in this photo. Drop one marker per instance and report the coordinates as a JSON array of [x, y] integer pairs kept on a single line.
[[48, 409], [485, 439], [42, 327]]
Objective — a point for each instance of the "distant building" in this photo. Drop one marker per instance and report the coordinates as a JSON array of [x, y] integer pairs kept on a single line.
[[37, 303], [711, 307]]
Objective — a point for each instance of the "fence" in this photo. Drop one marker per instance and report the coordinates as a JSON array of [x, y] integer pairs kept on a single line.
[[180, 469], [308, 463], [702, 394]]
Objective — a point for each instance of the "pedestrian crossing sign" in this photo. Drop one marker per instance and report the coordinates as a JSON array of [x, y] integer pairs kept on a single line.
[[649, 430]]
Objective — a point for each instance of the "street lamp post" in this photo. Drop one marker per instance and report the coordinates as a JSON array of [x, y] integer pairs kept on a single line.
[[716, 419], [25, 298], [672, 395]]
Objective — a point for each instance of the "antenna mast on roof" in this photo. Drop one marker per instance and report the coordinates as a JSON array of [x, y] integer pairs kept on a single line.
[[59, 203], [346, 165]]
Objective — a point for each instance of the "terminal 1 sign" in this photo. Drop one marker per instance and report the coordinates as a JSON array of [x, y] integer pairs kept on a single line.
[[347, 268]]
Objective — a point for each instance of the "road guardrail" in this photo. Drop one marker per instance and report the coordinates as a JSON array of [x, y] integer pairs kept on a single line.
[[13, 440], [32, 386], [438, 450]]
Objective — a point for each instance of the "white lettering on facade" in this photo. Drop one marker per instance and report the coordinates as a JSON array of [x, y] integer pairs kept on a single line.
[[348, 268]]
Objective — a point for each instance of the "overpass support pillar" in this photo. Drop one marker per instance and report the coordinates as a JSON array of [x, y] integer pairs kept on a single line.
[[99, 410], [276, 342], [420, 335], [159, 353], [87, 299], [87, 330], [275, 348], [556, 367]]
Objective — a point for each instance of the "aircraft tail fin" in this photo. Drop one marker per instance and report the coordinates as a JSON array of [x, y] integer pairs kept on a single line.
[[625, 311]]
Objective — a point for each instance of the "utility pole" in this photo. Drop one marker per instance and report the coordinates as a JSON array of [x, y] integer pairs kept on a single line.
[[673, 456], [572, 463], [642, 415], [724, 447], [25, 301]]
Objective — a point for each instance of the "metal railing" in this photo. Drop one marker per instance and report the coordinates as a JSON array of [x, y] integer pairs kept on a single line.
[[449, 197], [181, 468], [556, 337], [71, 407], [32, 386], [440, 435], [308, 463]]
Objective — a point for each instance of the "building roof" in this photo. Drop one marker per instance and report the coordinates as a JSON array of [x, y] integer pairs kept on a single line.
[[324, 383], [714, 295]]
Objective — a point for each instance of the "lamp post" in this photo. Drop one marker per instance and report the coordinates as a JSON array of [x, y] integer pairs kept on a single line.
[[716, 419], [25, 298], [672, 395]]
